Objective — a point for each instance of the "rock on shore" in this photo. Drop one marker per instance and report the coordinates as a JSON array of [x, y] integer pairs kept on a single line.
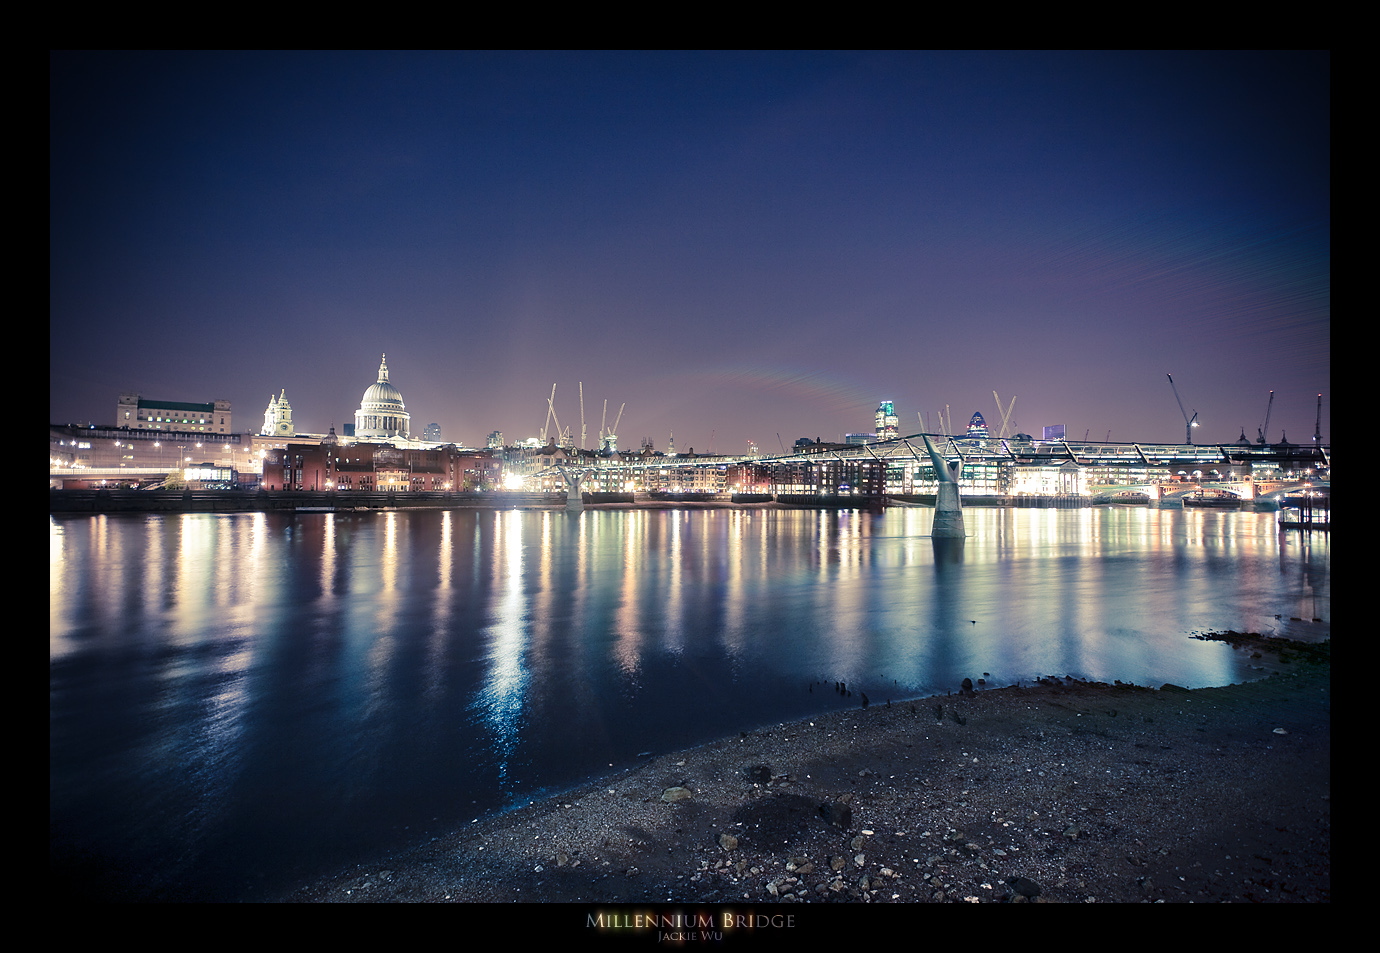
[[1063, 791]]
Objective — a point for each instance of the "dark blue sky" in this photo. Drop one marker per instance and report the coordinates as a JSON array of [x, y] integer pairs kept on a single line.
[[737, 245]]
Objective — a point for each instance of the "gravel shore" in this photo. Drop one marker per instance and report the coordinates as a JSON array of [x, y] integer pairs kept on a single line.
[[1060, 791]]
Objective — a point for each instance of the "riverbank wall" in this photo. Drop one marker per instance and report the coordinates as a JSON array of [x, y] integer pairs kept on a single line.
[[260, 501]]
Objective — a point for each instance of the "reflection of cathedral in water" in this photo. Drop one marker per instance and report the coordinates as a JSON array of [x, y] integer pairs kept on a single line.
[[381, 413]]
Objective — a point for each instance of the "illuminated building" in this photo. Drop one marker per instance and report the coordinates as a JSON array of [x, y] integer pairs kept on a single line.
[[835, 477], [330, 465], [382, 414], [278, 417], [135, 413], [117, 455], [888, 424]]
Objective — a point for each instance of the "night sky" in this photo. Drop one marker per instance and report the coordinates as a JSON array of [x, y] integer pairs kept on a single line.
[[735, 245]]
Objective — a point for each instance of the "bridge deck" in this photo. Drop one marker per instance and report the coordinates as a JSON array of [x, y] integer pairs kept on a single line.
[[1038, 453]]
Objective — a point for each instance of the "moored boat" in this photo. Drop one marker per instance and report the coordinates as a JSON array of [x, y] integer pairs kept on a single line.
[[1216, 502]]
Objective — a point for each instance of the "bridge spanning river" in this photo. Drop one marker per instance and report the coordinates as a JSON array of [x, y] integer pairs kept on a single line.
[[992, 466], [1239, 470], [1035, 453]]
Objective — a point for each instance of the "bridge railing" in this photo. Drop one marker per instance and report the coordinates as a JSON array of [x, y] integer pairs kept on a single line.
[[991, 450]]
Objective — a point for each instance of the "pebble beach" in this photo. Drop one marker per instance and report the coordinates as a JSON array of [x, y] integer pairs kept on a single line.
[[1060, 791]]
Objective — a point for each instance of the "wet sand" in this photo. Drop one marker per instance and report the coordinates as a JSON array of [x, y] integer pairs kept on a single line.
[[1061, 791]]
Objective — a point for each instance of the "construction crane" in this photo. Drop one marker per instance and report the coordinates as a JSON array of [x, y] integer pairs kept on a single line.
[[563, 437], [1265, 427], [550, 411], [582, 415], [1005, 414], [608, 439], [1189, 422]]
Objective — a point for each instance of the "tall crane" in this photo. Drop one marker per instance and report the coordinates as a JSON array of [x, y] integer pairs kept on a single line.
[[1189, 422], [1005, 414], [608, 440], [563, 436], [1265, 427], [550, 411]]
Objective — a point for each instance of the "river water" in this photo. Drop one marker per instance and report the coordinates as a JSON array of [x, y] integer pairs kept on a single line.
[[237, 701]]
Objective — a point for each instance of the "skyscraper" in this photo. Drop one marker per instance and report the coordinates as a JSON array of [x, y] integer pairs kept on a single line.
[[888, 425]]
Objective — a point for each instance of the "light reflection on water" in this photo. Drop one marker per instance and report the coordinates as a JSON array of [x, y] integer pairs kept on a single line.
[[234, 695]]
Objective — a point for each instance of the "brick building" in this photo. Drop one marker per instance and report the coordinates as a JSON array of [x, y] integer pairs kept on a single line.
[[379, 467]]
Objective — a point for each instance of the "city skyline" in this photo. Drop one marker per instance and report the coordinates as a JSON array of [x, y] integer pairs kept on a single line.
[[735, 246]]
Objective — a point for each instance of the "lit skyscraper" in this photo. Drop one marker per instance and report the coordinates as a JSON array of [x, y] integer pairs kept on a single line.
[[888, 426]]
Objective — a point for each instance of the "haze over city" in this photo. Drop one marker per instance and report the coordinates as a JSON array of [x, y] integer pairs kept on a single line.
[[736, 246]]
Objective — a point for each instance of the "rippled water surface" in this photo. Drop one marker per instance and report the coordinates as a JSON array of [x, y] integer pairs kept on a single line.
[[238, 700]]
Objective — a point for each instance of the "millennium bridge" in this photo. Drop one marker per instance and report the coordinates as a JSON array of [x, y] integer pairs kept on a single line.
[[1036, 453], [864, 468]]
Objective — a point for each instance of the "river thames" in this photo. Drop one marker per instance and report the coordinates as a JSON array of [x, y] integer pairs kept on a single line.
[[240, 701]]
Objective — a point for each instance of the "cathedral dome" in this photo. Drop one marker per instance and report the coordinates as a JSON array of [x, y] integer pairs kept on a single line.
[[381, 413], [382, 394]]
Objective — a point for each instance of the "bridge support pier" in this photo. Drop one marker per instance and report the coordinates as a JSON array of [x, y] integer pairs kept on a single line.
[[948, 509], [948, 513], [574, 502]]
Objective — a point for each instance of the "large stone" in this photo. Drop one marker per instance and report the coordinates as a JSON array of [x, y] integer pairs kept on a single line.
[[675, 794], [837, 813]]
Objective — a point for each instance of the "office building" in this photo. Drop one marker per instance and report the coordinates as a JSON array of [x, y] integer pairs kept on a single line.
[[133, 412]]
